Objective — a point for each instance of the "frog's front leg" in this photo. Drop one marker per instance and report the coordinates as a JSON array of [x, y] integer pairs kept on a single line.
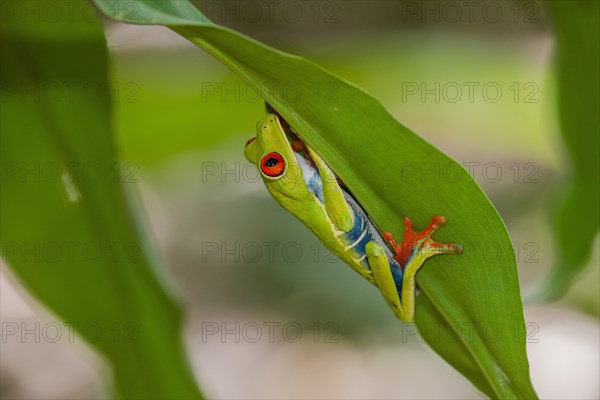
[[338, 209], [416, 247]]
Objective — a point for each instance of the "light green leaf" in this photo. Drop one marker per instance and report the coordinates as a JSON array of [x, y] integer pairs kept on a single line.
[[68, 232], [475, 296]]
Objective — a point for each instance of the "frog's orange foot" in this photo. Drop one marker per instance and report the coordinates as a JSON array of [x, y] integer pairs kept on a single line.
[[420, 243]]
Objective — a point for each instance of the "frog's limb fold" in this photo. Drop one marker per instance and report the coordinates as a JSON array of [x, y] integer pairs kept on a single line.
[[382, 274], [336, 206], [416, 247]]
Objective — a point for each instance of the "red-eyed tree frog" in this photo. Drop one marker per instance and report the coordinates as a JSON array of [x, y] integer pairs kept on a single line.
[[304, 185]]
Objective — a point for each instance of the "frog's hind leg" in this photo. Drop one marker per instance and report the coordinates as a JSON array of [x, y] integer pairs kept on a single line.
[[416, 247]]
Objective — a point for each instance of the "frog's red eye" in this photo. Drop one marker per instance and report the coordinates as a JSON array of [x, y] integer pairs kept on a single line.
[[272, 164]]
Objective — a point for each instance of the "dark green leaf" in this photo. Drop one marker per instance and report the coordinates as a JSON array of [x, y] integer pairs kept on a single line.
[[67, 231], [577, 32]]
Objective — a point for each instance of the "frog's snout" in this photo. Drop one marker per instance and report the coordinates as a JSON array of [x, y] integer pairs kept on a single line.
[[267, 124]]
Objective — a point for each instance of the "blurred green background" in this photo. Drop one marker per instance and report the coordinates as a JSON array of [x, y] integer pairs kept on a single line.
[[214, 221]]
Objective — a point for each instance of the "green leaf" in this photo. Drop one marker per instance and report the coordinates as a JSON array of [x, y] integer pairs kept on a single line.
[[68, 231], [471, 304], [577, 219]]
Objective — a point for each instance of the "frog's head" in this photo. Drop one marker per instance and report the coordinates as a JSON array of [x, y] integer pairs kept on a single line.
[[272, 154]]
